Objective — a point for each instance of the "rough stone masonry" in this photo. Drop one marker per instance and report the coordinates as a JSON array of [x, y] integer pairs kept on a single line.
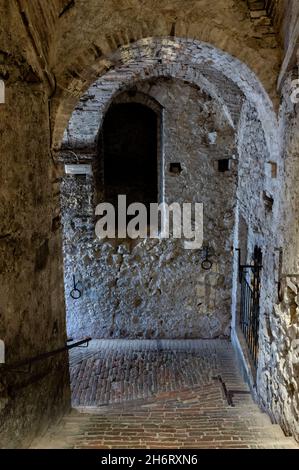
[[155, 288], [49, 57]]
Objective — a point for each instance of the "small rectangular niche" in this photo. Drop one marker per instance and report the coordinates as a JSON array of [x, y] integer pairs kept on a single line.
[[271, 169], [223, 165], [175, 169]]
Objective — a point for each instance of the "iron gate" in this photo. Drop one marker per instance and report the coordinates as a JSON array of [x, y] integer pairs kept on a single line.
[[250, 280]]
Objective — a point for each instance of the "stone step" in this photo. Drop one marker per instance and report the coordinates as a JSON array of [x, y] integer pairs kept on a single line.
[[187, 410]]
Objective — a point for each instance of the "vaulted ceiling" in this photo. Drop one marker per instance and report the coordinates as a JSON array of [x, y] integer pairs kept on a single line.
[[68, 36], [68, 44]]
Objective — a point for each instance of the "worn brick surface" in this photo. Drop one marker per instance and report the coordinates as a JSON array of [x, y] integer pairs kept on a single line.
[[49, 52], [112, 371], [181, 407]]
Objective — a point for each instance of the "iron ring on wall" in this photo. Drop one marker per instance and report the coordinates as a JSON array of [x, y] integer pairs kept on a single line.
[[75, 294], [206, 264]]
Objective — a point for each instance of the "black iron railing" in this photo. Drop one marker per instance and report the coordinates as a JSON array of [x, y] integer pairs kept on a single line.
[[20, 365], [250, 280]]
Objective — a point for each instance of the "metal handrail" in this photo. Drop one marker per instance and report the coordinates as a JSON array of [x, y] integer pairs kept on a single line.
[[41, 357]]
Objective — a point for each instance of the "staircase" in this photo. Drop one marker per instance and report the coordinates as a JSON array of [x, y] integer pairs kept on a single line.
[[155, 394]]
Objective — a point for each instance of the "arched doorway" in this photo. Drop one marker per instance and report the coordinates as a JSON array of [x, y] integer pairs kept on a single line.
[[128, 153]]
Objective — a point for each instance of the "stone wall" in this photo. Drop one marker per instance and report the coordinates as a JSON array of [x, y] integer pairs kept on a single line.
[[258, 210], [278, 379], [39, 37], [267, 206], [156, 288], [32, 316], [266, 202]]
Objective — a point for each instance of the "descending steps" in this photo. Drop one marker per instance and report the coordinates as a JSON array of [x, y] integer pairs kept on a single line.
[[195, 418], [179, 401]]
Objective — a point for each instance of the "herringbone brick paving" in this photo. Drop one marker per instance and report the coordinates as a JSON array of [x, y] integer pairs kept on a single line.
[[167, 395]]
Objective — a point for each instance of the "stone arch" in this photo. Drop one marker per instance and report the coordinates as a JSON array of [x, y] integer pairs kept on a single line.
[[138, 97], [94, 104], [230, 26], [196, 62], [230, 83]]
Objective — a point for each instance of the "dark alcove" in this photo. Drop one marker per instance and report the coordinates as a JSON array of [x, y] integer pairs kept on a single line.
[[129, 153]]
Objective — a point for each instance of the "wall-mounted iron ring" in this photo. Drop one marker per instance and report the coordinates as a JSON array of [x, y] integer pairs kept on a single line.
[[75, 292], [207, 252], [206, 264]]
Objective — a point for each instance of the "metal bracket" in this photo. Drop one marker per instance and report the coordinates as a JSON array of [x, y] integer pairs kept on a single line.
[[207, 252], [280, 285], [225, 390], [245, 266], [229, 394]]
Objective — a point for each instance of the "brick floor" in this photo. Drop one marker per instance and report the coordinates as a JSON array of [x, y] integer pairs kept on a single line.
[[113, 371], [160, 394]]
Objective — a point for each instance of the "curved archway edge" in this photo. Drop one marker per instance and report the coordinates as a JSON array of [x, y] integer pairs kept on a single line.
[[224, 77]]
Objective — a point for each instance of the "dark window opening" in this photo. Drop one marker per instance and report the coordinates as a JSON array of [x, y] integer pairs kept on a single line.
[[129, 154], [223, 165], [175, 168]]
